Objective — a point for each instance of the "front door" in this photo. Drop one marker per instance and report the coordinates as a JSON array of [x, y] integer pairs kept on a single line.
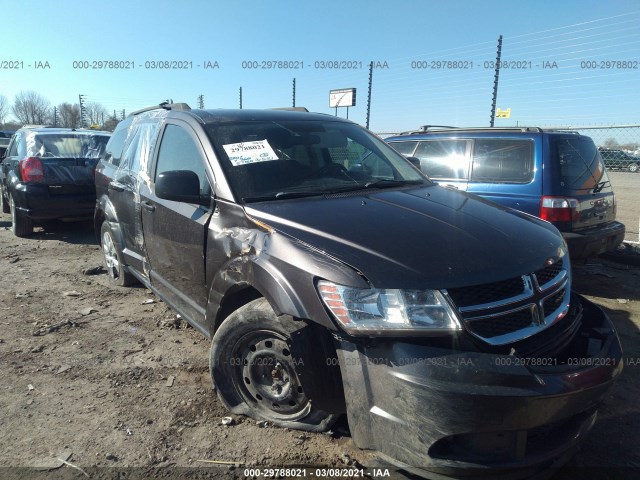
[[175, 232]]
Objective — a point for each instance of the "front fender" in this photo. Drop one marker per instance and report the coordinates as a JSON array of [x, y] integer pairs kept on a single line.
[[284, 271]]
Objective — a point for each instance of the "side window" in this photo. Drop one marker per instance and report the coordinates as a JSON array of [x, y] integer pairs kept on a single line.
[[445, 159], [115, 146], [502, 161], [178, 151], [405, 148]]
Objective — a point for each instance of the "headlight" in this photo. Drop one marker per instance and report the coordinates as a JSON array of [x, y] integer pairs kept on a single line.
[[386, 311]]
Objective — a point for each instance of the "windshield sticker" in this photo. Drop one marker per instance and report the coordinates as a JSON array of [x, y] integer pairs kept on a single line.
[[250, 152]]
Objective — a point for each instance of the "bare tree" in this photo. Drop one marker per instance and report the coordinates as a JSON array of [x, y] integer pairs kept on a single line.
[[4, 109], [611, 142], [31, 108], [95, 112], [69, 115]]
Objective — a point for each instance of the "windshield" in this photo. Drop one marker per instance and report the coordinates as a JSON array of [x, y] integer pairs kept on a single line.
[[276, 160]]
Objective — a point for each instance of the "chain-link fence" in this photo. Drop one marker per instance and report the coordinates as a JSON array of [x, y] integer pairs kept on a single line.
[[619, 147]]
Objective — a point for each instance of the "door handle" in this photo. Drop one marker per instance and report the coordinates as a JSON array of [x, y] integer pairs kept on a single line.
[[148, 206]]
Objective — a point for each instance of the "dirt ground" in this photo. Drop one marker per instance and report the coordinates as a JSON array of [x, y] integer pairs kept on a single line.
[[101, 376]]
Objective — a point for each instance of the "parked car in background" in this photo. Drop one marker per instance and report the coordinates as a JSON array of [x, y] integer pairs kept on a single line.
[[333, 277], [555, 175], [4, 142], [48, 173], [615, 159]]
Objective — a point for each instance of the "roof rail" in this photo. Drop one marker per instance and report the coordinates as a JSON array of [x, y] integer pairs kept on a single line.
[[164, 105], [427, 128], [292, 109]]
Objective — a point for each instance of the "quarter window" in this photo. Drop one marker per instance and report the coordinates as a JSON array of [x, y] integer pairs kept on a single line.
[[115, 146], [502, 161]]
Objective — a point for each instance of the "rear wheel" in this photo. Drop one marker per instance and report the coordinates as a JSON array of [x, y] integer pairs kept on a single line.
[[21, 225], [254, 371], [113, 258], [633, 167]]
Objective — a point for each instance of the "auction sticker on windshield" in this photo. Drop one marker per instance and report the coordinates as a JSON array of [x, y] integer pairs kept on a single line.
[[249, 152]]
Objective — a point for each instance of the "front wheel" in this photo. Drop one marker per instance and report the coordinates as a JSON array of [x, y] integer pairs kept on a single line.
[[254, 371]]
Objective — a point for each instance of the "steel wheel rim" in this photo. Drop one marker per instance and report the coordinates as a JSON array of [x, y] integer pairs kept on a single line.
[[265, 375], [110, 255]]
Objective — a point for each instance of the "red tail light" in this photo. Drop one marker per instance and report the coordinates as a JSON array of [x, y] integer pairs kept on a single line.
[[558, 209], [31, 169]]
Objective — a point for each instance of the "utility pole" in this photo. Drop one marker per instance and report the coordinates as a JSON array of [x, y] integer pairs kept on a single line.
[[495, 82], [201, 102], [55, 116], [294, 93], [83, 113], [240, 98], [369, 94]]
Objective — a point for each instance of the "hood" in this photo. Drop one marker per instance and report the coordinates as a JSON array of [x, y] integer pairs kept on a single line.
[[427, 237]]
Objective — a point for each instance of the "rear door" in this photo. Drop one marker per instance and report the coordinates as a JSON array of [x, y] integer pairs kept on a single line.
[[175, 232], [446, 161], [577, 171]]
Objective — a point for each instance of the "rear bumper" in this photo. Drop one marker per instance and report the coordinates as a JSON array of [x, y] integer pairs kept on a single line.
[[591, 243], [37, 203], [457, 413]]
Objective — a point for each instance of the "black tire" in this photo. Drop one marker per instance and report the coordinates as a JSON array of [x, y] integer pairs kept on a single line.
[[118, 275], [633, 167], [4, 201], [21, 226], [254, 373]]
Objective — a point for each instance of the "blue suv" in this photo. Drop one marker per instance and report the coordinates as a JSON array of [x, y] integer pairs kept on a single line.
[[558, 176]]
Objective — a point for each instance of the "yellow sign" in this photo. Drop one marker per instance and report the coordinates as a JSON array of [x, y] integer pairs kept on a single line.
[[503, 113]]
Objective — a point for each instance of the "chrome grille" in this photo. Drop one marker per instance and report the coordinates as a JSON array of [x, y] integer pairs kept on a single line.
[[512, 322], [487, 293], [547, 274], [511, 310]]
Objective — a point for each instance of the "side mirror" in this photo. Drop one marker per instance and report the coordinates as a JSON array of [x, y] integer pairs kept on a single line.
[[415, 161], [180, 186]]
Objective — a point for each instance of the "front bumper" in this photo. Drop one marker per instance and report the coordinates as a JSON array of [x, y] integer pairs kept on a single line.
[[457, 413], [38, 202]]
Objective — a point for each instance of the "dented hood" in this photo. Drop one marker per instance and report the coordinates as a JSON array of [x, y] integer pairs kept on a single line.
[[427, 237]]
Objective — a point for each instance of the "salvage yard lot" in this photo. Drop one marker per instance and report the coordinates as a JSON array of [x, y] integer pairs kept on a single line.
[[110, 377]]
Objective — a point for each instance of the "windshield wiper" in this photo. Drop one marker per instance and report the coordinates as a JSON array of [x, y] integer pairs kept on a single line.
[[382, 183], [598, 188], [294, 194], [388, 182]]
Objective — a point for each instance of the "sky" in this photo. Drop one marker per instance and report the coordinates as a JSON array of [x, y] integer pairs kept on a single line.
[[573, 62]]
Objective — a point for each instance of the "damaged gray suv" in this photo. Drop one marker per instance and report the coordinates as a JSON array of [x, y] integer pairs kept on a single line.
[[333, 278]]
